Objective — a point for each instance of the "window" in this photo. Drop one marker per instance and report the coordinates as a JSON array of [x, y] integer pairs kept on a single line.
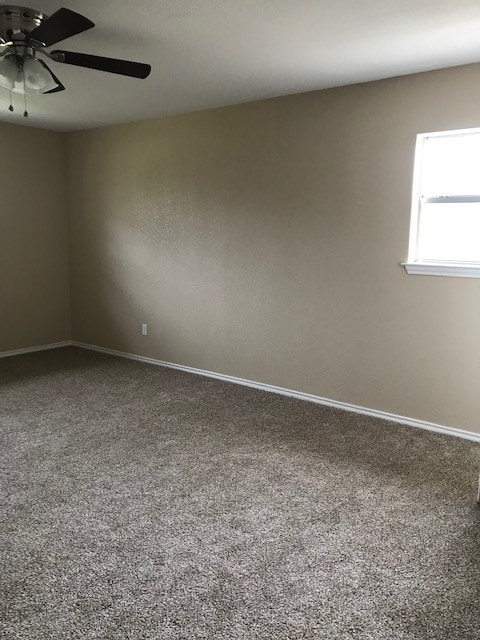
[[445, 224]]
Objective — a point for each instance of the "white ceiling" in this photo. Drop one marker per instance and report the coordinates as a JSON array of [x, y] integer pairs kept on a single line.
[[208, 53]]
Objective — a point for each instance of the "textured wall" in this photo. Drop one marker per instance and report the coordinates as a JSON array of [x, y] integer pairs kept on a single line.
[[264, 241], [34, 279]]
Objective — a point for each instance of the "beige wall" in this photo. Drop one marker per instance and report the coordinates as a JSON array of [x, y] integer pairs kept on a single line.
[[264, 241], [34, 279]]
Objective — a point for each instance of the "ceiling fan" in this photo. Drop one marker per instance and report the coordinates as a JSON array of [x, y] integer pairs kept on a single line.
[[26, 33]]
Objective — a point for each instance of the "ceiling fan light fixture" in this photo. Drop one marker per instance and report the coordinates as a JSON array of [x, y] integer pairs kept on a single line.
[[30, 74]]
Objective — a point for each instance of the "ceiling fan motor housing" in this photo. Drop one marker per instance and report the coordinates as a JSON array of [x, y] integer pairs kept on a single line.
[[17, 22]]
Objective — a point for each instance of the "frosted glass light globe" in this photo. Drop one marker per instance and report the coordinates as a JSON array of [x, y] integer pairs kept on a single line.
[[37, 77], [9, 73]]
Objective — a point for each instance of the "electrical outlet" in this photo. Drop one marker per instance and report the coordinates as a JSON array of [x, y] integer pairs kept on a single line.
[[144, 329]]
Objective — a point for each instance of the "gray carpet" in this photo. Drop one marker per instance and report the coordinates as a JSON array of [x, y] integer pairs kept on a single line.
[[142, 503]]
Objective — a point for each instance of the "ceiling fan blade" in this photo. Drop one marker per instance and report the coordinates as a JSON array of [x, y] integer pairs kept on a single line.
[[59, 86], [111, 65], [61, 25]]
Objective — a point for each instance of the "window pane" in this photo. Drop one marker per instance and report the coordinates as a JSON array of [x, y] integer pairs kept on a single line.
[[449, 232], [451, 165]]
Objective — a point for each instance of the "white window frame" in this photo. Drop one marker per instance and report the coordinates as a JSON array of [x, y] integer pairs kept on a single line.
[[413, 265]]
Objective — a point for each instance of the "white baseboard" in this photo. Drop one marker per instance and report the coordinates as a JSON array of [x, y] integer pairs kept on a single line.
[[43, 347], [391, 417]]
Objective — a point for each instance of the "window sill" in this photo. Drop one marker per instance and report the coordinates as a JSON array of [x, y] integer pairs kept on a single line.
[[442, 269]]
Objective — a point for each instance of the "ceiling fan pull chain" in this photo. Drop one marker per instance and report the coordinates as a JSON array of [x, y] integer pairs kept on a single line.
[[25, 113], [10, 108]]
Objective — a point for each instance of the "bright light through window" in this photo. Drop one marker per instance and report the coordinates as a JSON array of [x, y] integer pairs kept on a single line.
[[445, 227]]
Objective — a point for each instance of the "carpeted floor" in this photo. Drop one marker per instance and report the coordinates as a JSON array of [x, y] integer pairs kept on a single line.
[[144, 503]]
